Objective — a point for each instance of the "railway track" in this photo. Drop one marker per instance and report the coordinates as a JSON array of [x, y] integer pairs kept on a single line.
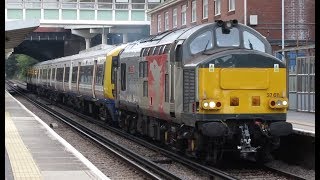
[[238, 173]]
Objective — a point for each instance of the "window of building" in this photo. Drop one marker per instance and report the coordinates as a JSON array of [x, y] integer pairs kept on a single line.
[[205, 9], [217, 7], [252, 42], [159, 23], [194, 11], [202, 42], [183, 14], [166, 21], [232, 5], [174, 18]]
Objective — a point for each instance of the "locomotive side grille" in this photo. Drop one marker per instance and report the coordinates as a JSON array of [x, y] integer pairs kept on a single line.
[[188, 88]]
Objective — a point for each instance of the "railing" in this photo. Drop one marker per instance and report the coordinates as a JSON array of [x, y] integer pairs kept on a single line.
[[134, 5], [301, 77]]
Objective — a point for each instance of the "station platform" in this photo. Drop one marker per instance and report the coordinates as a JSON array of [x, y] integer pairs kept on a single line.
[[302, 122], [34, 151]]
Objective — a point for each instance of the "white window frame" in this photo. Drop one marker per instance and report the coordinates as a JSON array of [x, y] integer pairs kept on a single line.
[[232, 5], [183, 15], [174, 18], [166, 21], [159, 22], [205, 9], [194, 11], [217, 7]]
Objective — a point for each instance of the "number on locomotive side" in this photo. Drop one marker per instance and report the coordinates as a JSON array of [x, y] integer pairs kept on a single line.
[[275, 95]]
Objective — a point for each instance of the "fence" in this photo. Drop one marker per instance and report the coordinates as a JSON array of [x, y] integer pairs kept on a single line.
[[301, 77]]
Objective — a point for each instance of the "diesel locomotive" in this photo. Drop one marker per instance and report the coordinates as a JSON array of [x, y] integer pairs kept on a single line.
[[202, 90]]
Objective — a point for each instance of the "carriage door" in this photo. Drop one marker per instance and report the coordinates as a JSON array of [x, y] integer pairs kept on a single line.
[[94, 78], [114, 75], [64, 74], [176, 60], [78, 77]]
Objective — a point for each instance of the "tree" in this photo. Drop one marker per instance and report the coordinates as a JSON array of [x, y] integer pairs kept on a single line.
[[10, 66], [24, 63]]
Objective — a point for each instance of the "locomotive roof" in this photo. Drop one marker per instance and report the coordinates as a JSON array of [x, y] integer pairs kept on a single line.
[[168, 37]]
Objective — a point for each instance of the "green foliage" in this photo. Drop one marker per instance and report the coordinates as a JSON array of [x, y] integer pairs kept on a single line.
[[18, 65], [11, 66]]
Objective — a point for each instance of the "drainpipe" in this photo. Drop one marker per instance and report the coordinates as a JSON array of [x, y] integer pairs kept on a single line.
[[245, 12]]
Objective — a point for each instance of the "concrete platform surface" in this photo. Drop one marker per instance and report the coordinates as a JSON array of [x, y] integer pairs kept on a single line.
[[302, 122], [35, 151]]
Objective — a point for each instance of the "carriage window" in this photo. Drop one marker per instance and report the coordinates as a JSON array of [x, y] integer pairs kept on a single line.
[[199, 43], [44, 75], [86, 74], [59, 74], [151, 51], [166, 49], [146, 51], [66, 76], [74, 74], [143, 69], [99, 74], [49, 74], [123, 76], [54, 74], [225, 40], [252, 42], [156, 50]]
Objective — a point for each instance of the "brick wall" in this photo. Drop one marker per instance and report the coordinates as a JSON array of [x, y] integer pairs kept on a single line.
[[299, 17]]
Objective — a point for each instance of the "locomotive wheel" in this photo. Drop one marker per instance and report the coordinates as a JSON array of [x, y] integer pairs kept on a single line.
[[102, 113]]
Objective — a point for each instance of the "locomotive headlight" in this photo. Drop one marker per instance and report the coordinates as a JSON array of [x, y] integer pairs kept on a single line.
[[279, 103], [205, 104], [212, 104], [228, 24], [284, 102]]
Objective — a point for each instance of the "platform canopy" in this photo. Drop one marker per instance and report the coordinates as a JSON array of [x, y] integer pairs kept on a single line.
[[16, 31]]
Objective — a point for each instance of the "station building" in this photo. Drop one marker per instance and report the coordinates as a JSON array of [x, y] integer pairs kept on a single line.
[[264, 16]]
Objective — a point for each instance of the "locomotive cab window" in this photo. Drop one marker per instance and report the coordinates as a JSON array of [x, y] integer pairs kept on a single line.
[[227, 40], [202, 42], [252, 42]]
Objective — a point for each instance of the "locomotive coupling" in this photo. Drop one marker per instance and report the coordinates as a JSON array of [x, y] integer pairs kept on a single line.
[[280, 128]]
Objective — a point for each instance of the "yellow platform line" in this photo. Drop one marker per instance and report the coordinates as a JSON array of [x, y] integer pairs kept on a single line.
[[22, 163]]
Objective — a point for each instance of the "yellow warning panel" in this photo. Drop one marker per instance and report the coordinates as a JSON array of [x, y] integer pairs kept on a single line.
[[22, 163]]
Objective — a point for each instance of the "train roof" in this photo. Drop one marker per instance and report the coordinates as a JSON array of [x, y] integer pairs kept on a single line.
[[88, 53]]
